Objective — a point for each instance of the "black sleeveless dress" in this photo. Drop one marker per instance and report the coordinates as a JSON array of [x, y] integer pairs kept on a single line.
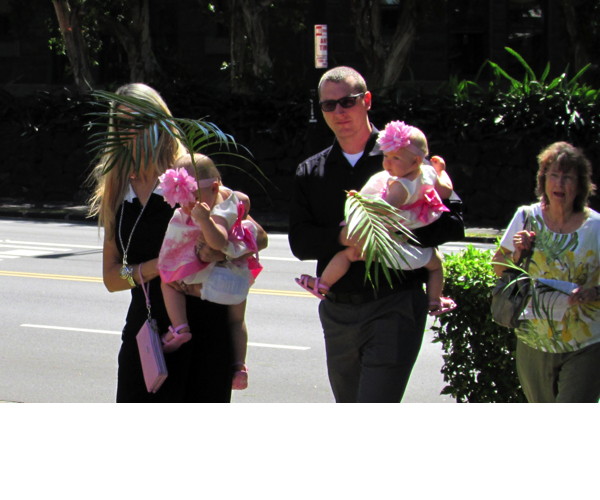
[[200, 370]]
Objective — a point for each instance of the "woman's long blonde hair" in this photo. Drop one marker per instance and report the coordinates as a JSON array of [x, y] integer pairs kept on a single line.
[[110, 187]]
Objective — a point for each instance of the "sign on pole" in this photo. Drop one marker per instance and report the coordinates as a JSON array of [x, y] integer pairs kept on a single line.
[[320, 46]]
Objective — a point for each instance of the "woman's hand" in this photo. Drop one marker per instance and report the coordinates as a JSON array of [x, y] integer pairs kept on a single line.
[[111, 268], [584, 295], [523, 240]]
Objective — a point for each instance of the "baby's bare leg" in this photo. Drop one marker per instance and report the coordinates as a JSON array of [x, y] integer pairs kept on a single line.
[[435, 280], [176, 307], [339, 265], [239, 332]]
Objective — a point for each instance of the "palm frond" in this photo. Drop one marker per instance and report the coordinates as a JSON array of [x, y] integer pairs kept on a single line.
[[379, 226], [131, 138], [543, 297]]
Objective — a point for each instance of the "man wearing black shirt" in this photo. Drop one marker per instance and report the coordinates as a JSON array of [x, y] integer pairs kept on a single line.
[[372, 337]]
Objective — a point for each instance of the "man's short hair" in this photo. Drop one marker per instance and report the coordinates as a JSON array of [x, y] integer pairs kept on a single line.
[[343, 73]]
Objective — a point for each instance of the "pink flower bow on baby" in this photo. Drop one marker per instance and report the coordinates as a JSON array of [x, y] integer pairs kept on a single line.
[[428, 204], [396, 135], [178, 187]]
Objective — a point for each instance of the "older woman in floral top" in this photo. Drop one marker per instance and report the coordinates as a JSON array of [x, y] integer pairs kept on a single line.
[[558, 341]]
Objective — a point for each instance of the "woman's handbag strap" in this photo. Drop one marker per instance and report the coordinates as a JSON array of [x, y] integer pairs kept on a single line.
[[146, 288]]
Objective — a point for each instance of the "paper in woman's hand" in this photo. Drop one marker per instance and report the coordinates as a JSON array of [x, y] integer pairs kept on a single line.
[[551, 300]]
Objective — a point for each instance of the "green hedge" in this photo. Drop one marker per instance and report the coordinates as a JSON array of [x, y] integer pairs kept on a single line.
[[479, 364]]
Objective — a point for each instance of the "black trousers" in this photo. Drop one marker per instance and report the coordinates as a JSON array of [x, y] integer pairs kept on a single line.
[[372, 347], [200, 371]]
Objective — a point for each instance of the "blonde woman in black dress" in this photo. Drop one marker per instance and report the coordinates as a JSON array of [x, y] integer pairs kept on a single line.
[[135, 217]]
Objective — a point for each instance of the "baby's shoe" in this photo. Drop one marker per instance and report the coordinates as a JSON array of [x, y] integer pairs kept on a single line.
[[173, 340], [240, 377]]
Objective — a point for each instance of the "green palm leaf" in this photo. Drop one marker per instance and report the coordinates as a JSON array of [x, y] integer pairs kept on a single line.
[[379, 226], [131, 138], [542, 309], [530, 73]]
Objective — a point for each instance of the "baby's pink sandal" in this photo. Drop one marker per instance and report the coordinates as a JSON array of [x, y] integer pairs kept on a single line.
[[177, 339], [315, 289]]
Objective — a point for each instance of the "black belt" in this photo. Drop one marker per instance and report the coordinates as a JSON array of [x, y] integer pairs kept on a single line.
[[363, 297]]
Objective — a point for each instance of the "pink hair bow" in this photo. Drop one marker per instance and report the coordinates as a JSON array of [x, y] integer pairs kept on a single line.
[[178, 187], [395, 136]]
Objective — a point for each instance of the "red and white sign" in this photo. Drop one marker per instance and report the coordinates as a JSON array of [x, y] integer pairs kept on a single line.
[[320, 46]]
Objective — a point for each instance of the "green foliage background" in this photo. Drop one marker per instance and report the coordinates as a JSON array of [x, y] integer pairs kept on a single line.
[[489, 134]]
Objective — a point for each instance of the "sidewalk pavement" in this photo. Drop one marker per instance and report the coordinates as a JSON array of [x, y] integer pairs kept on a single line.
[[272, 222]]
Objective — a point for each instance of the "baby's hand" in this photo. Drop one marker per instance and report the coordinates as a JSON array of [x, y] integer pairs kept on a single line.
[[438, 163], [200, 212]]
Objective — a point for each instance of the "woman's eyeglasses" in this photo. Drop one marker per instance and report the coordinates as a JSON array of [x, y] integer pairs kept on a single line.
[[344, 102]]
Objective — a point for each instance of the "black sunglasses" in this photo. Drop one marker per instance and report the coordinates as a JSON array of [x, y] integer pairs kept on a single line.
[[344, 102]]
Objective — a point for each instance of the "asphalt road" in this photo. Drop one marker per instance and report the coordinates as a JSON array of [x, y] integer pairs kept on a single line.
[[60, 332]]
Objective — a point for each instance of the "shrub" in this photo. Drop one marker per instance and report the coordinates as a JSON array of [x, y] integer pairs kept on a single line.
[[479, 364]]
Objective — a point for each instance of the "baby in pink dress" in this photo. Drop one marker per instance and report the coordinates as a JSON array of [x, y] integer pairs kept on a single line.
[[416, 188], [214, 214]]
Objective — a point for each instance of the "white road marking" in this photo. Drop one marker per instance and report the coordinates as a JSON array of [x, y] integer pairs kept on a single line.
[[62, 245], [113, 332], [13, 249], [23, 252], [70, 329]]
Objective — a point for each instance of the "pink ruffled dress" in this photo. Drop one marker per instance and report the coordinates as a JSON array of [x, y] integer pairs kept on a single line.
[[423, 206], [223, 282]]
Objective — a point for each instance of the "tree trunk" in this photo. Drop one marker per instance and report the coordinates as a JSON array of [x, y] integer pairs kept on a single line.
[[256, 27], [136, 40], [401, 45], [249, 48], [385, 59], [69, 22], [146, 68], [237, 49], [577, 32]]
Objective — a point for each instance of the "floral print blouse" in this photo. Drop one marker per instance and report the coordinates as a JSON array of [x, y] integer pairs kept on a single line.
[[572, 258]]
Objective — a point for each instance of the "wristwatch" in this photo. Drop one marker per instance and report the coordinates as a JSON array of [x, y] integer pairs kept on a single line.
[[126, 273]]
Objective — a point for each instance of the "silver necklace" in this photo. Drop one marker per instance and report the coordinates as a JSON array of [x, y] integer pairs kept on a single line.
[[126, 248]]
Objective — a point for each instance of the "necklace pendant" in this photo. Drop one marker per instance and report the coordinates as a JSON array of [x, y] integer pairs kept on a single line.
[[126, 273]]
